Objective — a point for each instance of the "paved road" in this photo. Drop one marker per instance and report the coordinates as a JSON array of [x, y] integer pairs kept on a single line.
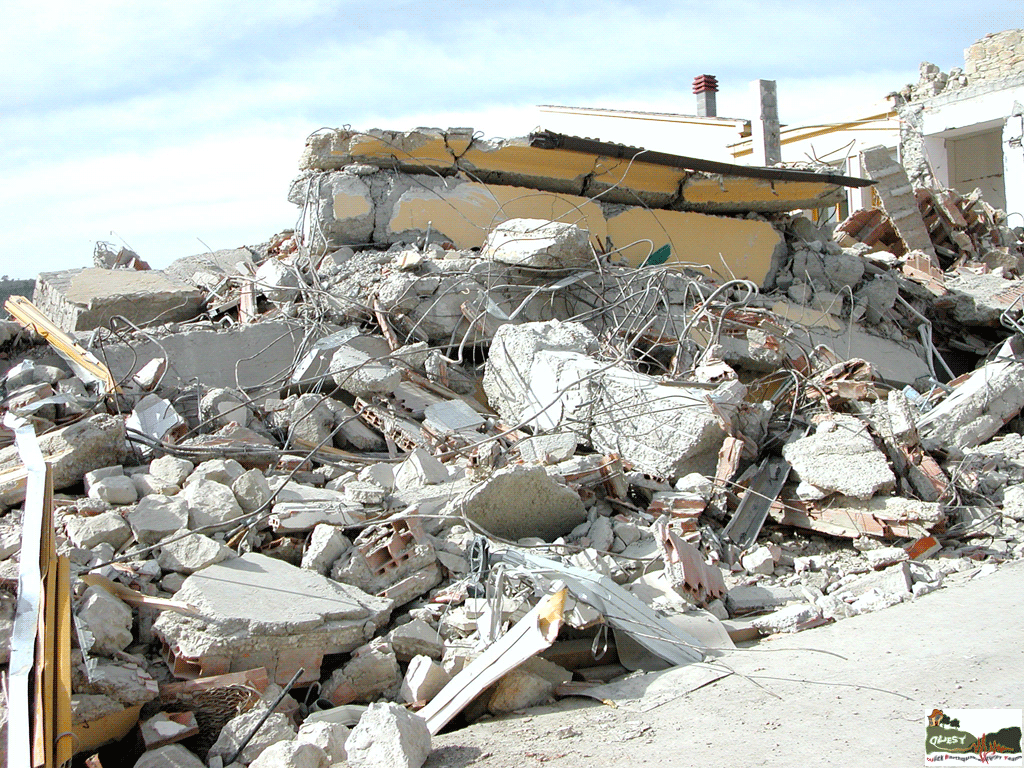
[[960, 647]]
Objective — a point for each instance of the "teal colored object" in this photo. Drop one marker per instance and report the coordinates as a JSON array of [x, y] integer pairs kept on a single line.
[[660, 256]]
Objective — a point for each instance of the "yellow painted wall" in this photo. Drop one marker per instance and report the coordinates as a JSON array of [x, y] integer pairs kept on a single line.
[[739, 248], [464, 212]]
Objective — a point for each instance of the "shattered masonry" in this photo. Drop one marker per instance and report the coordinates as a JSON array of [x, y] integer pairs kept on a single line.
[[487, 401]]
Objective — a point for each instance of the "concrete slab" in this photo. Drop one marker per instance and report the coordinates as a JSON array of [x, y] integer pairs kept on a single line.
[[83, 299]]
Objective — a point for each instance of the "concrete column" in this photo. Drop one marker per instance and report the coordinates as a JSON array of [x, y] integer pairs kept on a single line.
[[765, 130], [1013, 164]]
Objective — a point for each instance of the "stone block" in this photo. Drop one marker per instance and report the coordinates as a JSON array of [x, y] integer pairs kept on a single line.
[[221, 406], [192, 553], [210, 503], [107, 528], [170, 756], [361, 375], [330, 737], [171, 469], [224, 471], [292, 754], [277, 281], [259, 611], [326, 544], [388, 736], [760, 560], [372, 670], [91, 478], [251, 490], [529, 684], [278, 728], [420, 469], [116, 489], [416, 638], [423, 680], [148, 485], [519, 501], [539, 244], [789, 619], [840, 457], [108, 619], [155, 517]]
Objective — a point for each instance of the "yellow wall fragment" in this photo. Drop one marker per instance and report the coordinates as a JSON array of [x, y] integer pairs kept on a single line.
[[739, 248], [464, 212]]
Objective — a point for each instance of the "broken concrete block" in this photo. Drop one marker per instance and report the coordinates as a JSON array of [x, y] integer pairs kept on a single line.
[[265, 612], [420, 469], [170, 756], [192, 553], [83, 299], [538, 375], [529, 684], [416, 638], [792, 618], [155, 517], [886, 556], [251, 490], [352, 431], [97, 441], [277, 281], [88, 532], [760, 560], [372, 670], [108, 619], [518, 501], [539, 244], [356, 372], [326, 544], [125, 682], [743, 600], [381, 474], [117, 489], [221, 406], [330, 737], [277, 728], [548, 448], [309, 418], [171, 469], [423, 679], [979, 406], [292, 754], [147, 485], [210, 503], [840, 457], [388, 736], [697, 484], [601, 534], [91, 478], [224, 471], [162, 729]]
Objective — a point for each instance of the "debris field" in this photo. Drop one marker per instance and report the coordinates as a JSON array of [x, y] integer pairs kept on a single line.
[[496, 423]]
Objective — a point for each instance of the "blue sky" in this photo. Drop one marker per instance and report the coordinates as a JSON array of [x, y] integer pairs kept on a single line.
[[173, 125]]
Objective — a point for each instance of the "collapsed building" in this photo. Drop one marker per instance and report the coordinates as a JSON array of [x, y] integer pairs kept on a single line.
[[497, 422]]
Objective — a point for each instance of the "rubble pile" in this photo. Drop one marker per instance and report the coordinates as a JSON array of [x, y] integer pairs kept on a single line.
[[386, 481]]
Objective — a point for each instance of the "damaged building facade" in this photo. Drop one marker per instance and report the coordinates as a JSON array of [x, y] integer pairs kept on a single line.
[[496, 423]]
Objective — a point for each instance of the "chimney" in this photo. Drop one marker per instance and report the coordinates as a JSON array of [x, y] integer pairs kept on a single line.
[[706, 86]]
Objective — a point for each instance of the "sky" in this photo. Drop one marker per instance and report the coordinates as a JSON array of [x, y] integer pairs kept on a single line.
[[176, 127]]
